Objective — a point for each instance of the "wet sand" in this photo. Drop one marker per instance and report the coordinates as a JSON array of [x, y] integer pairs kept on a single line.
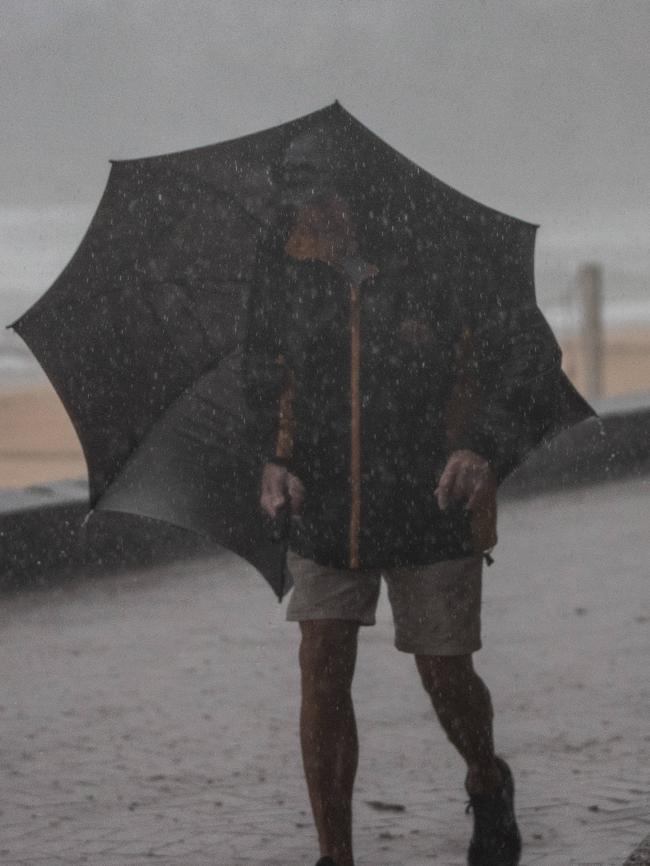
[[626, 361], [38, 443]]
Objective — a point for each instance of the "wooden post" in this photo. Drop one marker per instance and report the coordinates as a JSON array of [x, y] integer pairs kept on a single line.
[[590, 288]]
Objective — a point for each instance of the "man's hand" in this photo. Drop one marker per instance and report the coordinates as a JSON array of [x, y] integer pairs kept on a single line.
[[467, 476], [279, 486]]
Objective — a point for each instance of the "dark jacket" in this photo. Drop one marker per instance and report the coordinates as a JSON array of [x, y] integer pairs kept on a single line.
[[434, 374]]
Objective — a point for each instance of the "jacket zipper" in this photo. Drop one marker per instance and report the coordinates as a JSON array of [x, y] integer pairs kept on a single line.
[[355, 426]]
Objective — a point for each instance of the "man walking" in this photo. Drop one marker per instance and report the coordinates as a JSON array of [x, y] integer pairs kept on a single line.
[[383, 432]]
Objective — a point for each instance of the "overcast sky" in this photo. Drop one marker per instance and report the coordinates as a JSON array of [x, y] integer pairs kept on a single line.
[[536, 107]]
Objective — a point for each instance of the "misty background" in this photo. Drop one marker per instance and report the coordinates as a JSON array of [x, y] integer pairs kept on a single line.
[[538, 109]]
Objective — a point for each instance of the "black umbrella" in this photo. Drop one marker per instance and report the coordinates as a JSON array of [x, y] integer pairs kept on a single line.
[[143, 333]]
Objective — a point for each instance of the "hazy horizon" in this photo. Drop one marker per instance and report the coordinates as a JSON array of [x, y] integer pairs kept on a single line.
[[536, 109]]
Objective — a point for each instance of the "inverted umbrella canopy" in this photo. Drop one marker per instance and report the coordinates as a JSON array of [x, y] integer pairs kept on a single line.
[[143, 333]]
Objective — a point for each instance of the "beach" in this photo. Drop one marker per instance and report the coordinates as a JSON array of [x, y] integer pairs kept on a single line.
[[626, 361], [38, 443]]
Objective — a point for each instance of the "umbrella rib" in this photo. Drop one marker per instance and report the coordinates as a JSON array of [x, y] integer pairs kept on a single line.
[[231, 197]]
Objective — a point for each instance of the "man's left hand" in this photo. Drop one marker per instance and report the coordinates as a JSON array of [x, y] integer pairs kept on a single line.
[[467, 476]]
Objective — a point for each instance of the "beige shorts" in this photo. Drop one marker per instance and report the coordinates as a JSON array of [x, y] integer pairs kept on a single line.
[[436, 608]]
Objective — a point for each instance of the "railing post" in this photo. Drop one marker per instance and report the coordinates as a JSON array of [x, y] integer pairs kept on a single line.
[[590, 288]]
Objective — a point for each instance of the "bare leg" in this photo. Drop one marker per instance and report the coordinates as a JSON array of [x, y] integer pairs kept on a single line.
[[463, 706], [328, 731]]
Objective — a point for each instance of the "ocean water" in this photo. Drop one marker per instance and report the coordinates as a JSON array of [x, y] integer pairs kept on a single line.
[[36, 244]]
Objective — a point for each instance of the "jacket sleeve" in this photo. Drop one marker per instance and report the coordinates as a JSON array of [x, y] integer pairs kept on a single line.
[[519, 382]]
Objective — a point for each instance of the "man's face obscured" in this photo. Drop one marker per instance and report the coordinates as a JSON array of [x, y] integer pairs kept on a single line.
[[308, 169], [329, 223]]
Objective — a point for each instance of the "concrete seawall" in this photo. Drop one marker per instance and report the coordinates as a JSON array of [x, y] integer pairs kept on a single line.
[[42, 537], [615, 445]]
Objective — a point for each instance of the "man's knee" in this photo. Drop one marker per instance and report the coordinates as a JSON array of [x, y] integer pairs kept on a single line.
[[328, 652], [444, 676]]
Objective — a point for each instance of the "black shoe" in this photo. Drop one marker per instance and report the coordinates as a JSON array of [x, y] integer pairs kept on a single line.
[[326, 861], [496, 840]]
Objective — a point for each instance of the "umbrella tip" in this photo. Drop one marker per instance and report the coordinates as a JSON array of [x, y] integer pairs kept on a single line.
[[89, 514]]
